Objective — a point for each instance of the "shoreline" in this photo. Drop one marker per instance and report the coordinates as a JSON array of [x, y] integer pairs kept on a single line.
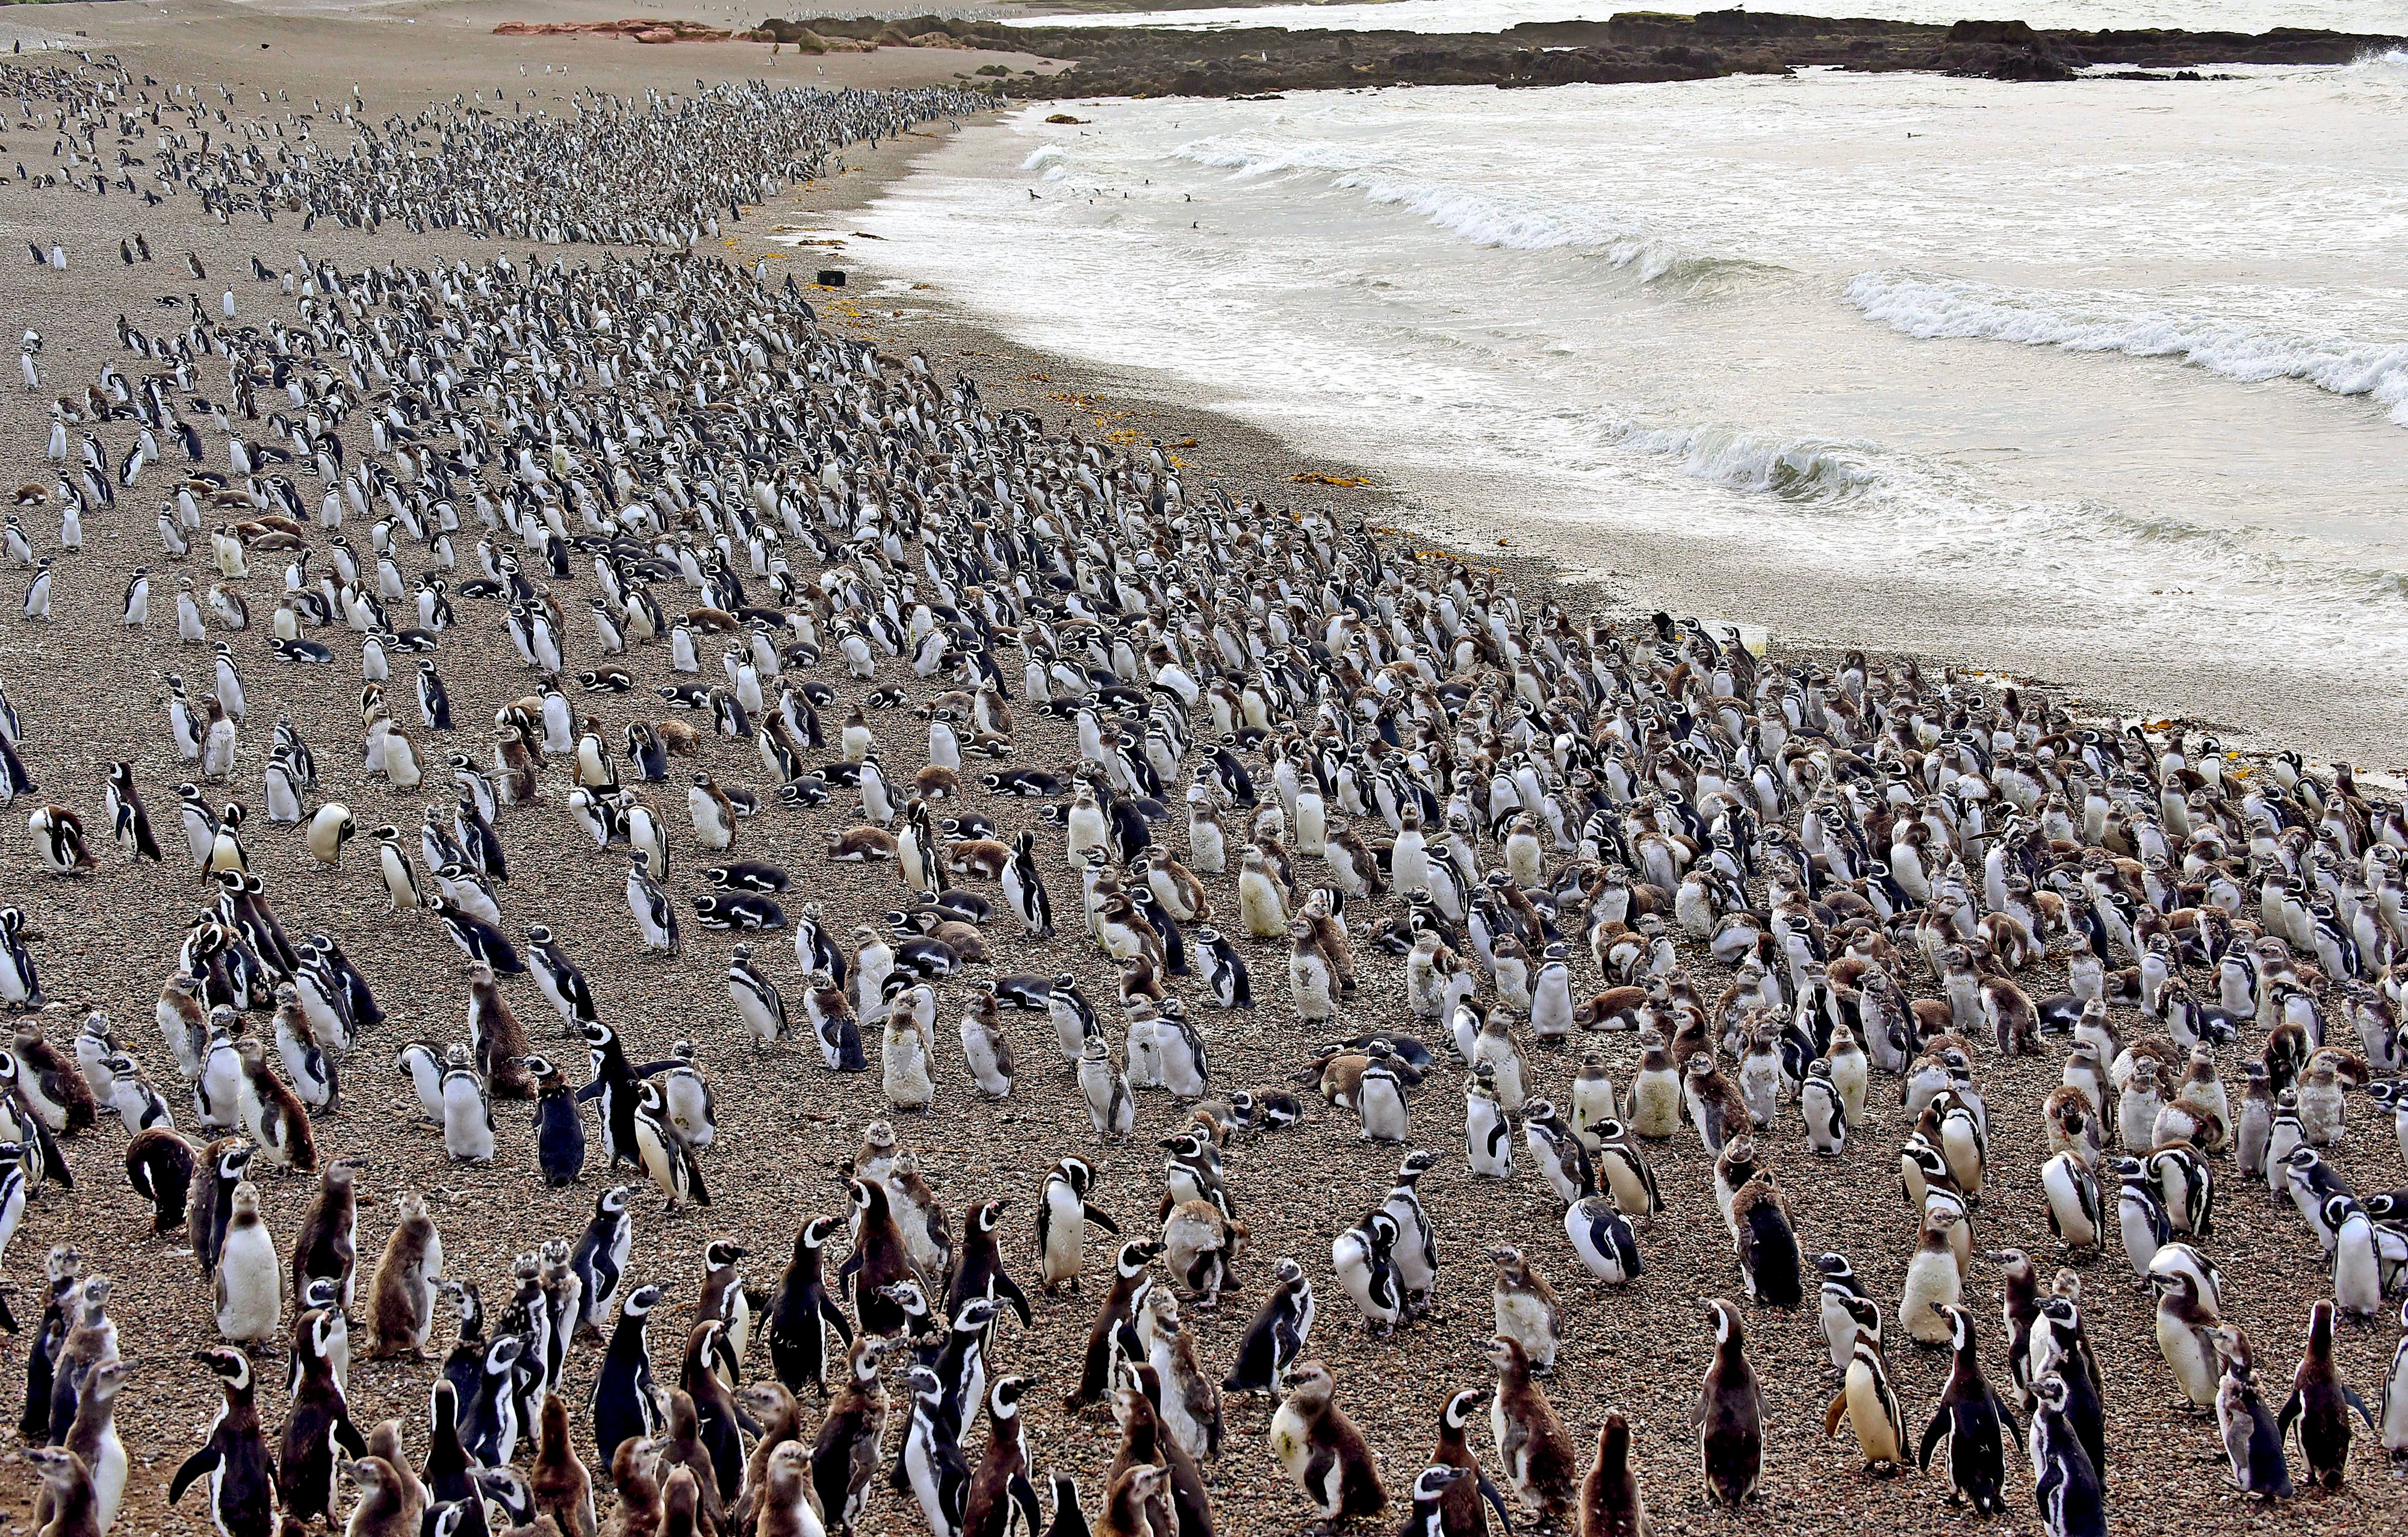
[[1614, 569]]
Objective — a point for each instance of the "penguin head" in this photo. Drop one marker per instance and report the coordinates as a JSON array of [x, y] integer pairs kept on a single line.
[[639, 1303]]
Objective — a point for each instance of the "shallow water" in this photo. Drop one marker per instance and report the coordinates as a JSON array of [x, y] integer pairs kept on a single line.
[[2096, 372]]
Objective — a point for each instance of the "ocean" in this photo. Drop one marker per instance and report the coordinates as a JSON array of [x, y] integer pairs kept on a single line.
[[2103, 381], [2376, 18]]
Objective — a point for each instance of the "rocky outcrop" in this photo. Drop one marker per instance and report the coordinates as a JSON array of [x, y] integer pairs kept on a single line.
[[1635, 46], [638, 29]]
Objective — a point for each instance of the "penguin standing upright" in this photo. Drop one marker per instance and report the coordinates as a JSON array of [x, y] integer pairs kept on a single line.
[[236, 1459], [1728, 1417], [599, 1261], [626, 1403], [1324, 1454], [1974, 1422], [2322, 1404], [559, 1125], [2065, 1483], [2253, 1442], [802, 1312], [1063, 1213]]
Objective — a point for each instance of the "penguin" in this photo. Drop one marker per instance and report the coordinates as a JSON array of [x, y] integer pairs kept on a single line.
[[401, 1295], [327, 1243], [1106, 1089], [1767, 1244], [250, 1275], [802, 1312], [1324, 1456], [1974, 1422], [1276, 1334], [671, 1164], [160, 1165], [846, 1456], [2065, 1482], [1361, 1261], [236, 1459], [1871, 1407], [1934, 1280], [599, 1261], [560, 1125], [880, 1259], [2253, 1443], [1063, 1213], [760, 1008], [2073, 1212], [1728, 1417], [468, 1115], [1610, 1503], [1533, 1449], [1487, 1131], [2321, 1403], [625, 1403], [1131, 1278], [129, 823], [321, 1421]]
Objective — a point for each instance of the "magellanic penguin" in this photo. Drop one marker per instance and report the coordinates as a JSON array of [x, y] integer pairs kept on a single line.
[[1533, 1450], [2065, 1482], [1728, 1417], [401, 1297], [1277, 1335], [2322, 1404], [1869, 1405], [236, 1459], [1063, 1213], [852, 1439], [803, 1311], [625, 1405], [2253, 1442], [1324, 1454], [1611, 1503], [1974, 1422]]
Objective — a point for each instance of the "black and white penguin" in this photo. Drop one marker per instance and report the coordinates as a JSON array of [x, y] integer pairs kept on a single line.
[[559, 1125], [2065, 1482], [1063, 1213], [803, 1311], [129, 823], [625, 1401], [1278, 1334], [1361, 1259], [599, 1261], [235, 1458]]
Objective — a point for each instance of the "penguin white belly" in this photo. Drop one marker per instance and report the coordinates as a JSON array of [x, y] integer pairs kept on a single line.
[[1523, 1318], [251, 1302], [1931, 1279], [2193, 1360]]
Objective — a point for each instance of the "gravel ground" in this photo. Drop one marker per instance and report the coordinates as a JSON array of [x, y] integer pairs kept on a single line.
[[89, 694]]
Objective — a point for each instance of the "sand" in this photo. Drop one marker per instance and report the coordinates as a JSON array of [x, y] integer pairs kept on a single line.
[[89, 695]]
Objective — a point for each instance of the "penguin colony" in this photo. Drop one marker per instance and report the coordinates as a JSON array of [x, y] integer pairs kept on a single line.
[[1749, 980]]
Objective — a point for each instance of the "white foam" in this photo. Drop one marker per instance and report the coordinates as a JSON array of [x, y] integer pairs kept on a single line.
[[1931, 307]]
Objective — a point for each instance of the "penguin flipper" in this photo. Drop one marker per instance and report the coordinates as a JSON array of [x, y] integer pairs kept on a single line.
[[2349, 1395], [1009, 1289], [2291, 1407], [834, 1315], [2007, 1414], [1838, 1412], [349, 1435], [591, 1091], [1489, 1492], [8, 1319], [1103, 1219], [1940, 1420], [200, 1462]]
